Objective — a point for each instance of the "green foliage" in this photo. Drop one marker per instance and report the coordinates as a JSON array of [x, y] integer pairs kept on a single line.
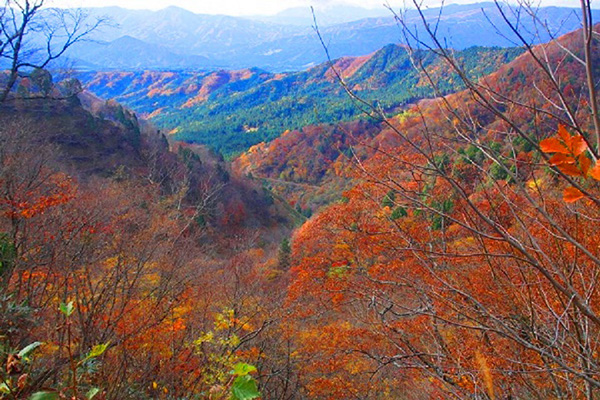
[[389, 199], [284, 254], [218, 346], [200, 220], [473, 155], [398, 213], [7, 253], [496, 147], [498, 172], [441, 162], [67, 308], [92, 393], [445, 207], [307, 213], [243, 369], [524, 144], [27, 350], [45, 396], [96, 351], [244, 388], [338, 272], [191, 159]]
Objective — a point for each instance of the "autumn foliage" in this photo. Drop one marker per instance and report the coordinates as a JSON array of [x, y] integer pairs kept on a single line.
[[462, 264], [452, 253]]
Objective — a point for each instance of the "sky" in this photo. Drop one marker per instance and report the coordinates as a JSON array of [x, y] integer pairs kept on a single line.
[[263, 7]]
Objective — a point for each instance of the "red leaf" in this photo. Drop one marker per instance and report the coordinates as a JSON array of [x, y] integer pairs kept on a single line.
[[585, 163], [563, 134]]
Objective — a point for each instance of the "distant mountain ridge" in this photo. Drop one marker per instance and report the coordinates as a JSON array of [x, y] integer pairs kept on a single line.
[[188, 41]]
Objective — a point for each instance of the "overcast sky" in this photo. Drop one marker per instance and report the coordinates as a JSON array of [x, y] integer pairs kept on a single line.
[[261, 7]]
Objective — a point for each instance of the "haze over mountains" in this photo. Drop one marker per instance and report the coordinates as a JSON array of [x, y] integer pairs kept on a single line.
[[177, 39]]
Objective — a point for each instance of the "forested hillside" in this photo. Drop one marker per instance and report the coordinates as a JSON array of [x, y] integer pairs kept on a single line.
[[233, 110], [127, 233], [444, 246], [463, 262]]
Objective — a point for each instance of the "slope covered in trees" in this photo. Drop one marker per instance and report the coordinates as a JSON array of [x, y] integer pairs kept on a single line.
[[453, 253], [464, 263], [233, 110], [129, 267]]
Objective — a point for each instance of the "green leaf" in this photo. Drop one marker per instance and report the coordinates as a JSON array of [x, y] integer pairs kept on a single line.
[[97, 350], [27, 350], [242, 369], [398, 213], [244, 388], [4, 388], [44, 396], [91, 393], [67, 309]]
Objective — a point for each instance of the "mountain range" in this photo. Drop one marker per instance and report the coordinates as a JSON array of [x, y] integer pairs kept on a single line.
[[174, 38], [233, 110]]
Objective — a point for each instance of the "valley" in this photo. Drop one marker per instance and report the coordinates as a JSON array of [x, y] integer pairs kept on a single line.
[[230, 111], [221, 207]]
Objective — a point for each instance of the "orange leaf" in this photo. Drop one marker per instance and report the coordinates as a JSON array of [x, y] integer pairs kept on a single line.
[[571, 194], [585, 163], [595, 172], [570, 169], [559, 158], [553, 145], [578, 145], [563, 134]]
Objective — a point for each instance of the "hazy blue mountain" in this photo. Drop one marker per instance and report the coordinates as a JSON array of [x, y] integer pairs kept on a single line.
[[326, 15], [460, 27], [118, 55], [174, 38], [185, 32]]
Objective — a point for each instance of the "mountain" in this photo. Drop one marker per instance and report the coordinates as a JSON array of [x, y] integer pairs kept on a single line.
[[186, 32], [312, 166], [181, 32], [446, 242], [326, 14], [93, 138], [233, 110], [99, 209], [459, 27], [276, 45], [117, 54]]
